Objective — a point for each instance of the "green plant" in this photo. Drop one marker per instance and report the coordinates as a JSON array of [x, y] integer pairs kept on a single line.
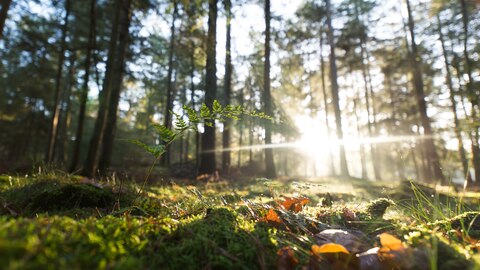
[[189, 120]]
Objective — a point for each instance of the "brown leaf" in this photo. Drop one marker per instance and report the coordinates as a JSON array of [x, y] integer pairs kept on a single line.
[[332, 256], [354, 242], [273, 218], [286, 259], [294, 204], [390, 242], [329, 248]]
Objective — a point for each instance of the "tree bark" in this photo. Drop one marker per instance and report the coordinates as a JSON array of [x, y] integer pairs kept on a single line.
[[66, 111], [267, 98], [226, 154], [325, 105], [4, 14], [104, 97], [207, 160], [435, 173], [53, 133], [448, 79], [117, 85], [167, 122], [84, 94], [334, 87], [473, 95]]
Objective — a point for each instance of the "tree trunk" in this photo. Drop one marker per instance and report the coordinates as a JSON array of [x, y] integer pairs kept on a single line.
[[267, 98], [119, 71], [53, 133], [85, 89], [4, 14], [430, 151], [334, 86], [167, 122], [240, 131], [448, 79], [473, 95], [104, 97], [325, 105], [226, 154], [66, 112], [207, 160], [363, 54], [192, 97]]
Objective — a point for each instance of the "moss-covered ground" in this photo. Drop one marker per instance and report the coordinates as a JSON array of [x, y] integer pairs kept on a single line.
[[58, 221]]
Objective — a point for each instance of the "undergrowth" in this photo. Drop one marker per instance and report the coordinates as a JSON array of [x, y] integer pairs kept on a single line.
[[51, 220]]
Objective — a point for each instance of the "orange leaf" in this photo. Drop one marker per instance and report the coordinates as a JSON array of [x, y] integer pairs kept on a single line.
[[294, 204], [286, 259], [272, 217], [329, 248], [390, 242]]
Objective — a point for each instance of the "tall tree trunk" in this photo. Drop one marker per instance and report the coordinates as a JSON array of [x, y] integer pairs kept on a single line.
[[170, 95], [267, 98], [84, 94], [363, 54], [192, 97], [104, 96], [473, 95], [4, 14], [66, 112], [448, 79], [325, 105], [416, 63], [334, 86], [226, 154], [53, 133], [207, 160], [240, 130], [117, 85], [363, 162]]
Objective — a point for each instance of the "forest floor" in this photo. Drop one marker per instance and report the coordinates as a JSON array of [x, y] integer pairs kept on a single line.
[[53, 220]]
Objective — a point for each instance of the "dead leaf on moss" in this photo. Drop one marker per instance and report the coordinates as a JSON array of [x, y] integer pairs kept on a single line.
[[272, 218], [351, 241], [332, 256], [294, 204]]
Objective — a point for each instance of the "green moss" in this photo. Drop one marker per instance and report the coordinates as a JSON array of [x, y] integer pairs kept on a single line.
[[378, 207]]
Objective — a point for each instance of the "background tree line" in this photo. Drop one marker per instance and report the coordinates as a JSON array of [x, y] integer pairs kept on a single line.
[[393, 86]]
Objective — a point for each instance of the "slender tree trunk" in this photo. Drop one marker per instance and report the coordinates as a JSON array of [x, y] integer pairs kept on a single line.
[[104, 96], [334, 85], [325, 105], [192, 97], [448, 79], [85, 89], [119, 71], [170, 95], [4, 14], [66, 112], [226, 154], [240, 130], [367, 96], [363, 162], [53, 133], [267, 98], [473, 95], [430, 151], [207, 160]]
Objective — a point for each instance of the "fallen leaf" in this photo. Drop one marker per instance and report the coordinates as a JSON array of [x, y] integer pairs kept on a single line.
[[332, 256], [353, 241], [294, 204], [390, 242], [272, 217], [329, 248], [286, 259]]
